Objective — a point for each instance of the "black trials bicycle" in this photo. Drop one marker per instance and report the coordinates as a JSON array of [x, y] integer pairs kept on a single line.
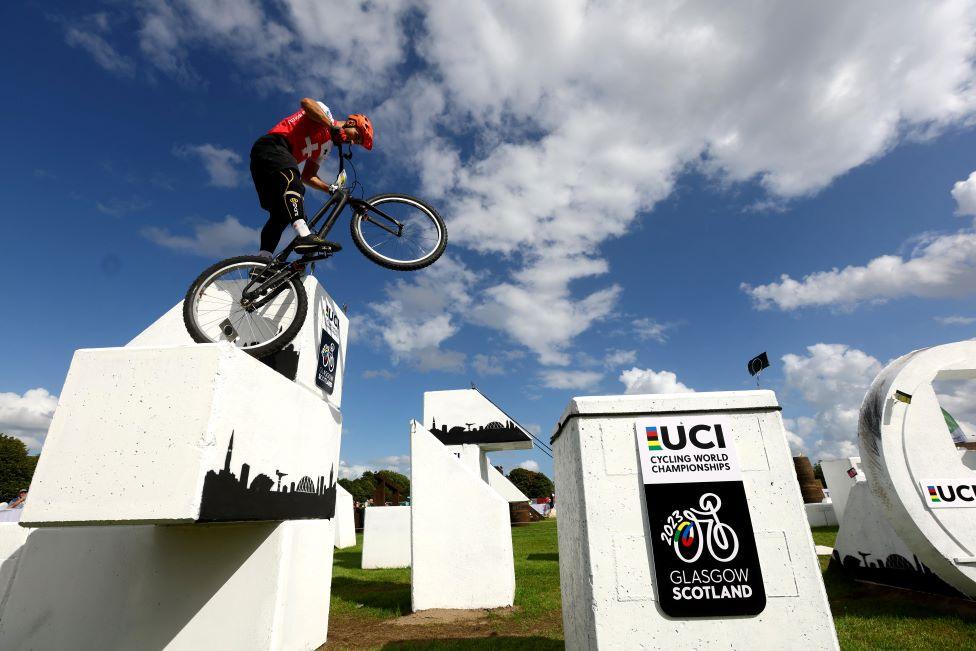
[[259, 304]]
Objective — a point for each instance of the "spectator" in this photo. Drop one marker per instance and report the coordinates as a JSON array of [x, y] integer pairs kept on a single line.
[[18, 502]]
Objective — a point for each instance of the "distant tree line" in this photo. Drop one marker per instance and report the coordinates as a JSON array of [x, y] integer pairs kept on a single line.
[[533, 484], [362, 489], [16, 467]]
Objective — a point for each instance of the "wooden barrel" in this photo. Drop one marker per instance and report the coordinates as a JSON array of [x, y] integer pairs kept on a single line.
[[810, 487]]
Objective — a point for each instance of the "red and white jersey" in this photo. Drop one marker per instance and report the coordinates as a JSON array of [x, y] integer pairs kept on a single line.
[[308, 139]]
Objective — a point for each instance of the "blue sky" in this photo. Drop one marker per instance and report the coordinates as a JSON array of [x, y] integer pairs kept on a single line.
[[638, 199]]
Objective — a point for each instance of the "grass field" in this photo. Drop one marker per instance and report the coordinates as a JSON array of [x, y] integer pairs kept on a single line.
[[370, 608]]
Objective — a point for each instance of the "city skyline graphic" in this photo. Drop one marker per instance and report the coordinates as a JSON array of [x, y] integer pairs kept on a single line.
[[493, 432], [229, 498]]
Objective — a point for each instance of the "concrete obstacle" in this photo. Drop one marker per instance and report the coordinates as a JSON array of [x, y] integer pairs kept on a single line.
[[212, 442], [841, 475], [228, 586], [345, 520], [462, 558], [696, 533], [386, 537], [918, 481]]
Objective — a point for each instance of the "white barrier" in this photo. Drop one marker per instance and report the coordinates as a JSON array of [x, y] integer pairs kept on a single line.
[[608, 586], [839, 481], [12, 539], [345, 520], [386, 537], [183, 434], [914, 470], [462, 558], [240, 586]]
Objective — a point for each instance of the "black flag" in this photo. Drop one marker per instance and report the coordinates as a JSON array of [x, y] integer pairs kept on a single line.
[[758, 363]]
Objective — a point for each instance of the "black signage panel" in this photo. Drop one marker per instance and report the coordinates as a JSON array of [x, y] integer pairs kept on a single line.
[[704, 549], [325, 373]]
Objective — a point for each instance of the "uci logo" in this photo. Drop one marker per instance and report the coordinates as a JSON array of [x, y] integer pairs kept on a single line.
[[330, 315], [703, 437], [948, 493]]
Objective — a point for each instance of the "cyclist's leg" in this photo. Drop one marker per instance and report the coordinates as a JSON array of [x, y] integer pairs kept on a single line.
[[282, 198]]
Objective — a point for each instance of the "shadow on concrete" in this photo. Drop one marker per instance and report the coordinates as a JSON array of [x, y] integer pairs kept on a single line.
[[121, 587]]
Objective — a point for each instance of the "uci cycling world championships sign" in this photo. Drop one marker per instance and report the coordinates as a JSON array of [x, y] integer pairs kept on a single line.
[[704, 550]]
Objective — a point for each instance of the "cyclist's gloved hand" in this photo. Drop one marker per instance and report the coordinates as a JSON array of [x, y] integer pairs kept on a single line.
[[338, 136]]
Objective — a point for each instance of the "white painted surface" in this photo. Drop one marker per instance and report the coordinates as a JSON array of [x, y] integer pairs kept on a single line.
[[386, 537], [469, 409], [865, 533], [12, 539], [607, 585], [839, 483], [821, 515], [902, 444], [509, 491], [240, 586], [137, 429], [323, 312], [462, 558], [345, 520]]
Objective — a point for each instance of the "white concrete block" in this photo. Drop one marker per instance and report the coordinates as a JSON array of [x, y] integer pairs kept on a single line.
[[462, 558], [142, 435], [386, 537], [323, 315], [821, 515], [509, 491], [907, 451], [608, 594], [839, 483], [240, 586], [466, 416], [345, 519]]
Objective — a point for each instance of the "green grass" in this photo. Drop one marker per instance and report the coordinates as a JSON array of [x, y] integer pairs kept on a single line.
[[866, 616]]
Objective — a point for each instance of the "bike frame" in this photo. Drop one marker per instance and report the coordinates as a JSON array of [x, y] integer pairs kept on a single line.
[[339, 198]]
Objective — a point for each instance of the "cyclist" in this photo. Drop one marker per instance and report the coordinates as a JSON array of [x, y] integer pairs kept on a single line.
[[304, 136]]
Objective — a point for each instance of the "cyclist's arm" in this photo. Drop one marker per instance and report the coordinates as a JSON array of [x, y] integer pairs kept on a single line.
[[315, 111], [310, 176]]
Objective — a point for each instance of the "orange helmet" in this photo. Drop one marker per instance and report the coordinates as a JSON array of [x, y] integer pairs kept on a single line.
[[365, 128]]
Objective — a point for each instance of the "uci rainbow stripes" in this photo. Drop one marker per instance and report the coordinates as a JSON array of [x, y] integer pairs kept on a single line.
[[653, 441]]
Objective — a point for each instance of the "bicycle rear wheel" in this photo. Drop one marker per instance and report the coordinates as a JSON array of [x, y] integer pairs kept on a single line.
[[214, 308], [399, 232]]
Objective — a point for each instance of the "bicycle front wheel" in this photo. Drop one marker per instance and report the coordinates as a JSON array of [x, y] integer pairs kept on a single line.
[[215, 308], [399, 232]]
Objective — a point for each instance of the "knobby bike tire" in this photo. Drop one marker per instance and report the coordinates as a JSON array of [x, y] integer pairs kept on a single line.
[[389, 263], [263, 350]]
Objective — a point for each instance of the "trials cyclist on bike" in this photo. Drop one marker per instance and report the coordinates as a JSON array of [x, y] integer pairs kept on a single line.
[[305, 136]]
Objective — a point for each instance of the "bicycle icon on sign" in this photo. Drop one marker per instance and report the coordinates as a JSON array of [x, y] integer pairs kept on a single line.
[[691, 531]]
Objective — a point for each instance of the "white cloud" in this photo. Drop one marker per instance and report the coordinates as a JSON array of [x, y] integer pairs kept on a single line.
[[940, 266], [639, 380], [831, 378], [964, 192], [378, 373], [955, 320], [27, 416], [619, 358], [419, 314], [496, 363], [558, 378], [570, 148], [222, 164], [530, 464], [209, 239], [120, 207], [89, 35], [649, 329]]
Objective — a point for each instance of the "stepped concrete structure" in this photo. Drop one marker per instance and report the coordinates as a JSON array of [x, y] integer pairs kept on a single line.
[[185, 497]]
